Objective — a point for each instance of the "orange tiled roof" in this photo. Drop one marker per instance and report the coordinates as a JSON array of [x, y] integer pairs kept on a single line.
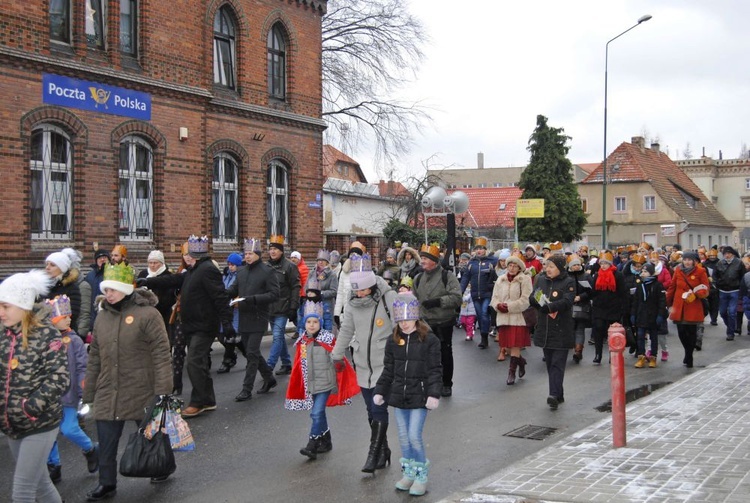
[[484, 207], [634, 163], [392, 188], [332, 155]]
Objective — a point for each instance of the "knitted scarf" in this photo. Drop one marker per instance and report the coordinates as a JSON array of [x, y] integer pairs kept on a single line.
[[605, 280]]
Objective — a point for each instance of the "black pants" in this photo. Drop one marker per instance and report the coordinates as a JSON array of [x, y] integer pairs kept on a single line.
[[599, 329], [255, 361], [178, 344], [109, 433], [688, 335], [199, 351], [444, 332], [713, 304], [556, 360]]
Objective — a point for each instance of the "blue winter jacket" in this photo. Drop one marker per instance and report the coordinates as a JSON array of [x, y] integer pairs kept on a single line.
[[482, 275]]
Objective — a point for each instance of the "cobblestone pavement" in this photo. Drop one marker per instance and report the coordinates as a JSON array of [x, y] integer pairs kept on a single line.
[[686, 442]]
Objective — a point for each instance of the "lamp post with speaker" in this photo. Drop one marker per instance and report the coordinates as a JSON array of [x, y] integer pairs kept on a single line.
[[436, 202]]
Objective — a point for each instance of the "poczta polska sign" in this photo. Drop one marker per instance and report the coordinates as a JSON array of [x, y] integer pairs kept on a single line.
[[95, 97]]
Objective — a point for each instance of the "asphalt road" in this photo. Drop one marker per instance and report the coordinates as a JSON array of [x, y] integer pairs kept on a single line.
[[249, 452]]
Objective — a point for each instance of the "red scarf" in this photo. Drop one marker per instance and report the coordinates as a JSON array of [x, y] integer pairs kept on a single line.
[[605, 280]]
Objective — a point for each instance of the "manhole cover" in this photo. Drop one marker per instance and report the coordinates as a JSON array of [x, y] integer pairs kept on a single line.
[[532, 432]]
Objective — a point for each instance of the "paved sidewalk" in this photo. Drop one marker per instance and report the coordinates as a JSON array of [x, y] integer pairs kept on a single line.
[[689, 441]]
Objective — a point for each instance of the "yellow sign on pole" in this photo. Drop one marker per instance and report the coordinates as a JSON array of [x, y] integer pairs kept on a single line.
[[530, 208]]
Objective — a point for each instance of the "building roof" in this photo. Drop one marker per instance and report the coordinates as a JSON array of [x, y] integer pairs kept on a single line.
[[588, 167], [491, 207], [633, 162], [392, 188], [333, 156]]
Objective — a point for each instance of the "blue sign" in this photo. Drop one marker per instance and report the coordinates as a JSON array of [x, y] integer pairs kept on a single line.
[[313, 204], [74, 93]]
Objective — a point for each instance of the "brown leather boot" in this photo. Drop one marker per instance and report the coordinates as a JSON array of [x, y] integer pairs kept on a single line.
[[521, 366], [512, 371], [578, 353]]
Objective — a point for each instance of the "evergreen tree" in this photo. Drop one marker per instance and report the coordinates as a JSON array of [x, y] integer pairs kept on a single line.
[[549, 176]]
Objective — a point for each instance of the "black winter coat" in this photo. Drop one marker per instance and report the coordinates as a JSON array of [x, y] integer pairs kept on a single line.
[[257, 284], [287, 276], [583, 292], [648, 302], [412, 371], [204, 303], [727, 276], [167, 296], [608, 305], [557, 332]]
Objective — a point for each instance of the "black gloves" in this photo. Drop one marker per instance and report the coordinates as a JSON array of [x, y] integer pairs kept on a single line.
[[292, 315], [337, 321], [544, 309], [430, 303], [141, 282]]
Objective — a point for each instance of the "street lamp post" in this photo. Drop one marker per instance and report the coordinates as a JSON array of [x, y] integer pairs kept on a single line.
[[642, 19]]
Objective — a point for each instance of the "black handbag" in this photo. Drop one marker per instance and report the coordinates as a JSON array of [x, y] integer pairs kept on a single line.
[[144, 457], [582, 312]]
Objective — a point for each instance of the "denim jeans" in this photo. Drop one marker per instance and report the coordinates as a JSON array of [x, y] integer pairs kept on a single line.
[[31, 481], [70, 429], [374, 412], [318, 414], [278, 347], [410, 424], [728, 309], [641, 340], [481, 307]]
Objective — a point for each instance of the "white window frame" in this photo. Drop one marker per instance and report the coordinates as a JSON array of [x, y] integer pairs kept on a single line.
[[274, 192], [225, 193], [646, 198], [96, 14], [139, 228], [55, 194], [621, 205], [129, 26], [584, 204]]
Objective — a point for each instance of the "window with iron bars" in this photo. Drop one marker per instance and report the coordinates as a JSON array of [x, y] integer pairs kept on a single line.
[[136, 189], [51, 170], [277, 199], [224, 198]]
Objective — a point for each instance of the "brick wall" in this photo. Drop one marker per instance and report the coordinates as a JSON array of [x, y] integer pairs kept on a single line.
[[174, 66]]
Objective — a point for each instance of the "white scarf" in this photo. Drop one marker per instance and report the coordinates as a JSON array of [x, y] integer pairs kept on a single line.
[[158, 271]]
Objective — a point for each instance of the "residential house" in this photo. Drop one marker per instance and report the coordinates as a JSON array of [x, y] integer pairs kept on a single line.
[[649, 198], [726, 182], [479, 177]]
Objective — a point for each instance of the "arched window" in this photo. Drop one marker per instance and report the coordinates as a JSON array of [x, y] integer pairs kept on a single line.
[[136, 189], [276, 45], [224, 48], [277, 199], [51, 202], [224, 186]]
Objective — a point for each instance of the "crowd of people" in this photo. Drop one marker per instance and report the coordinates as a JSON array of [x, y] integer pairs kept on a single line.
[[384, 331]]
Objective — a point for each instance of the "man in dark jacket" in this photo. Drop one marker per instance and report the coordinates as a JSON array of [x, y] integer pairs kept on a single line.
[[90, 290], [255, 289], [439, 295], [285, 308], [204, 307], [727, 277], [481, 274]]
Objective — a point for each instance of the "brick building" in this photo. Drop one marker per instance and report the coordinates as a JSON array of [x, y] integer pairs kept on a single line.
[[141, 122]]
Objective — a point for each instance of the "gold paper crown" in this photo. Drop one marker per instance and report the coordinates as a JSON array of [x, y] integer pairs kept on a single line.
[[432, 249], [121, 249], [555, 246], [277, 239], [607, 255], [480, 241], [122, 273]]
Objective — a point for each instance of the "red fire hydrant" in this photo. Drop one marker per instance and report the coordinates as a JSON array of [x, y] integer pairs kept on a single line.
[[617, 342]]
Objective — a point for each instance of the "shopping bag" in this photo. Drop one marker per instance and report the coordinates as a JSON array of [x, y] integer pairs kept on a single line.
[[149, 457], [180, 436]]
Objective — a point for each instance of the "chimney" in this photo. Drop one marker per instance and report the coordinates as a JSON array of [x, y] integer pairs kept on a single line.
[[480, 160], [638, 141], [655, 147], [721, 155]]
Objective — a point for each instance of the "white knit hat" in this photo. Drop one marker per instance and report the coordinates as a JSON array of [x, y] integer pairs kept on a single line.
[[156, 255], [22, 289], [65, 259]]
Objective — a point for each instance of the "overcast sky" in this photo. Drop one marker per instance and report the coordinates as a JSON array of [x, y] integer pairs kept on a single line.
[[492, 66]]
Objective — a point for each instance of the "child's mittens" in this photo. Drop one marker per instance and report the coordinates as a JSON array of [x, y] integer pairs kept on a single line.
[[432, 402], [379, 400]]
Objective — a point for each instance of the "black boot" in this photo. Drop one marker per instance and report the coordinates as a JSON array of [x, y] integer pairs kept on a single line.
[[55, 473], [379, 429], [385, 454], [92, 458], [484, 343], [521, 367], [311, 450], [598, 357], [324, 442], [101, 492]]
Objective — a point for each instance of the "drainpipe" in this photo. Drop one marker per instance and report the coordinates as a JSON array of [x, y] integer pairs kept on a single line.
[[686, 225]]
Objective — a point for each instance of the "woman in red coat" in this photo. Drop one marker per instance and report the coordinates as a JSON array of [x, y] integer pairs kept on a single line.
[[689, 286]]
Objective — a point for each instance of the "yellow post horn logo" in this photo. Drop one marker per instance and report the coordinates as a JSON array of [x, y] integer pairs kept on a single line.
[[100, 96]]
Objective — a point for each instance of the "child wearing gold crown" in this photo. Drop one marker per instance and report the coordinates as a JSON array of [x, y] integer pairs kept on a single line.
[[411, 383], [77, 360], [314, 383]]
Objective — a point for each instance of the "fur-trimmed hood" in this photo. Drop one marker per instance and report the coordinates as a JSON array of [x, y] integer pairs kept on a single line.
[[70, 277], [402, 254]]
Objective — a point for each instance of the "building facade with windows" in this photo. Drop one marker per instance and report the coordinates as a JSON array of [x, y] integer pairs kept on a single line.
[[649, 198], [140, 123]]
